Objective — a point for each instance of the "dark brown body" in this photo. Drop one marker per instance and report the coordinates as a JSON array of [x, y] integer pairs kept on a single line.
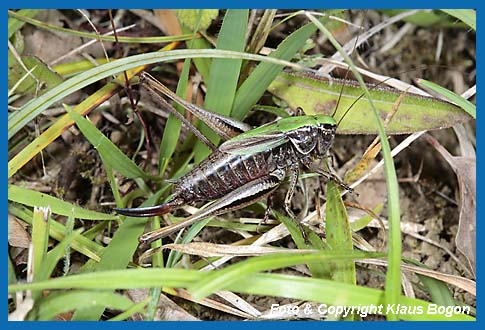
[[221, 172]]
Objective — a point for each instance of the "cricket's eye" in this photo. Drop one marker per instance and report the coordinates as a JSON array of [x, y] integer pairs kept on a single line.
[[329, 126]]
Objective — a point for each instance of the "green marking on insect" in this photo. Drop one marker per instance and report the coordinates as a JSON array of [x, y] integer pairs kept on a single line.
[[293, 123], [273, 134]]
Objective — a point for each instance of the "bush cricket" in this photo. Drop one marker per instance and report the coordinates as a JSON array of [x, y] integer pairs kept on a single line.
[[249, 165]]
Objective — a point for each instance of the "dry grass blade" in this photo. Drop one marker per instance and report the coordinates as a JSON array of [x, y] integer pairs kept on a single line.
[[239, 303], [182, 293], [461, 282], [222, 250], [272, 235]]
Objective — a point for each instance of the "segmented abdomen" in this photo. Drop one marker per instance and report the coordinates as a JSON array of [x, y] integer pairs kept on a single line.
[[221, 173]]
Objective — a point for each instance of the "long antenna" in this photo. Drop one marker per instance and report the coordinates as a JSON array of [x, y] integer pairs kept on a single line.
[[375, 86], [345, 77]]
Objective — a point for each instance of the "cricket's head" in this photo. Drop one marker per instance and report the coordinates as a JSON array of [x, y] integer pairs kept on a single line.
[[313, 135], [326, 132]]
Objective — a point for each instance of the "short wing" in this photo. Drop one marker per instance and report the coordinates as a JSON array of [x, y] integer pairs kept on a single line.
[[256, 140], [253, 144]]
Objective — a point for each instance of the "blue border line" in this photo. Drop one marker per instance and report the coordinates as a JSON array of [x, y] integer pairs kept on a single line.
[[240, 4], [261, 4]]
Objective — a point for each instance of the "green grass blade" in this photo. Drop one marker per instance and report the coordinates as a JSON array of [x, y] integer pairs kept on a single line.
[[467, 16], [71, 68], [12, 278], [202, 64], [318, 269], [136, 308], [335, 293], [171, 132], [466, 105], [54, 255], [302, 288], [112, 182], [58, 232], [224, 73], [40, 238], [58, 303], [339, 234], [220, 279], [121, 39], [439, 291], [393, 277], [119, 252], [258, 81], [33, 108], [190, 234], [365, 220], [116, 279], [107, 149], [15, 24], [34, 198]]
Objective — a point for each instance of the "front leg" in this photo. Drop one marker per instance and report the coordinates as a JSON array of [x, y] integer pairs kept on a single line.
[[330, 176]]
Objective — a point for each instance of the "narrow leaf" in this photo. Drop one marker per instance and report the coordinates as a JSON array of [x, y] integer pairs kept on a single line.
[[55, 255], [319, 95], [339, 234], [40, 238], [111, 154], [318, 269], [34, 198], [449, 95], [171, 132], [118, 253], [121, 39], [14, 24], [218, 280], [224, 73], [467, 16], [58, 303], [439, 291], [255, 85]]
